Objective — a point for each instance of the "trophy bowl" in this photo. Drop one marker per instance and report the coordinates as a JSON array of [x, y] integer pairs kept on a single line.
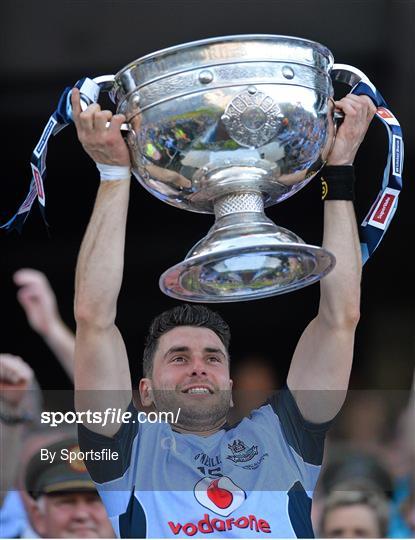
[[229, 126]]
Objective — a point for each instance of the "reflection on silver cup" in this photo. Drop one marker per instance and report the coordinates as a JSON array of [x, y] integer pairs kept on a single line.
[[229, 126]]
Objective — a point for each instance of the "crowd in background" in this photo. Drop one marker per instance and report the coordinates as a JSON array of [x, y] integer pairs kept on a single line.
[[366, 489]]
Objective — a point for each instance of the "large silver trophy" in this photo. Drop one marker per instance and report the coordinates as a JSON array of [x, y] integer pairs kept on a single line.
[[229, 126]]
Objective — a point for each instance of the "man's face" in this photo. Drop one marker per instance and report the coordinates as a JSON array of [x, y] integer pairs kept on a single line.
[[191, 371], [354, 521], [72, 515]]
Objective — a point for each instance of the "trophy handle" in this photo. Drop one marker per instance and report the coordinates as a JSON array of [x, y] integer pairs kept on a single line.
[[105, 83], [380, 215], [349, 75]]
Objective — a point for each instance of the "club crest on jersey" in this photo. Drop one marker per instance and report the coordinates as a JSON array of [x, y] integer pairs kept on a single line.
[[240, 452], [221, 495]]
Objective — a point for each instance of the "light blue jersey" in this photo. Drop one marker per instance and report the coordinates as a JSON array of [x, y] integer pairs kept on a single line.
[[246, 481]]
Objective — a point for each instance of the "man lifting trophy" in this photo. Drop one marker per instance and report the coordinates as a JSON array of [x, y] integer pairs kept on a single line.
[[226, 126]]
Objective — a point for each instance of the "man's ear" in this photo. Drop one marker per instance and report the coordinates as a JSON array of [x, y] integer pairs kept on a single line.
[[146, 393], [38, 519], [231, 386]]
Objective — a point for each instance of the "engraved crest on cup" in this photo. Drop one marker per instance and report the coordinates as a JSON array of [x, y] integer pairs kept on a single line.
[[252, 118]]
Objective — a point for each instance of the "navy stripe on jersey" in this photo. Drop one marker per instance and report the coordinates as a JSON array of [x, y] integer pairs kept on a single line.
[[122, 442], [299, 511], [306, 438], [133, 523]]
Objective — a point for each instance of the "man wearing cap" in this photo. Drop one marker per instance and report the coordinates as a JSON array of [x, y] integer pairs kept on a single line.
[[68, 505]]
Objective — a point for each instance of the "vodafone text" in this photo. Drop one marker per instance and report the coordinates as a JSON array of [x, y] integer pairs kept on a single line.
[[208, 525]]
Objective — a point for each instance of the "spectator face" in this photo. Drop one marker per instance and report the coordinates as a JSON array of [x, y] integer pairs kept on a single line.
[[191, 371], [352, 521], [72, 515], [254, 381]]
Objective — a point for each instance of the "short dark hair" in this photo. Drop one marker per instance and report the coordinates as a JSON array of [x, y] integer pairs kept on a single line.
[[355, 493], [182, 315]]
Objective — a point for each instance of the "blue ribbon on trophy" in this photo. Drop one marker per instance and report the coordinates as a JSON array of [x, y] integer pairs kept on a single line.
[[380, 215], [57, 121]]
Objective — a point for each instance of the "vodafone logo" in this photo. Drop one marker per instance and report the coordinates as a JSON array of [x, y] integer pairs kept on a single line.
[[221, 495]]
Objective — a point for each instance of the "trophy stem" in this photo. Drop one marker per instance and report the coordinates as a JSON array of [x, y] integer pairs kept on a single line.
[[245, 256], [243, 201]]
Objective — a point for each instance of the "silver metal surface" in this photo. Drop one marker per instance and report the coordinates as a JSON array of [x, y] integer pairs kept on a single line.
[[239, 202], [245, 256], [228, 114], [348, 74], [229, 126], [246, 273]]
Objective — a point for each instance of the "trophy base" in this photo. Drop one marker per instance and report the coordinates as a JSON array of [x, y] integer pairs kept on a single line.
[[245, 256], [249, 273]]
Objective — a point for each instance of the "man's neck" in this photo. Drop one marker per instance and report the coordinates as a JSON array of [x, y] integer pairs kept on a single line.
[[190, 430]]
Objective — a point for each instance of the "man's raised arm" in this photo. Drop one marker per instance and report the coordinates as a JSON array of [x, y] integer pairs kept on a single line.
[[321, 365], [102, 375]]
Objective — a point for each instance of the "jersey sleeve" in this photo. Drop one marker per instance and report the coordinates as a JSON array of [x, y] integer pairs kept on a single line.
[[304, 437], [119, 448]]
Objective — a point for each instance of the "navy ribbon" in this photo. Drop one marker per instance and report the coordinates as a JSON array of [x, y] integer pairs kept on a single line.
[[58, 120], [380, 215]]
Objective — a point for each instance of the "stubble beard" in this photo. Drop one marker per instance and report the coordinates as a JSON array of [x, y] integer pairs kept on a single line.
[[198, 414]]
